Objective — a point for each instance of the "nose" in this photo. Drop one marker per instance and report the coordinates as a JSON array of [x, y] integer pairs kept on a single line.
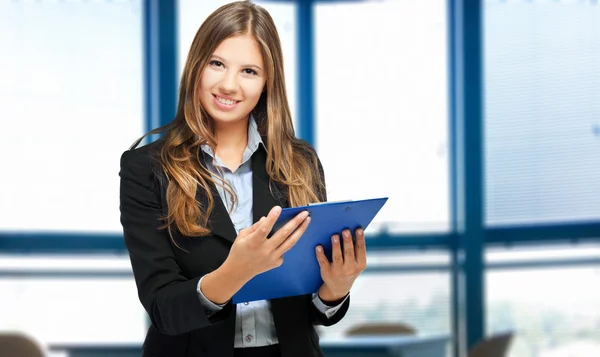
[[229, 82]]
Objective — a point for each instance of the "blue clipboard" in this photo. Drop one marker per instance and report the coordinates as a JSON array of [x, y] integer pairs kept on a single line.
[[300, 273]]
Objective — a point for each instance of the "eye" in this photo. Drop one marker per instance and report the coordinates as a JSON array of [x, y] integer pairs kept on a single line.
[[250, 71], [216, 63]]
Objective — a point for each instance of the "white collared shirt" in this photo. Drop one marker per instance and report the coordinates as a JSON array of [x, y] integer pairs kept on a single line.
[[254, 325]]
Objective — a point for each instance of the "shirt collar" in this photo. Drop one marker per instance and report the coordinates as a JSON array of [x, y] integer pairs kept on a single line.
[[254, 140]]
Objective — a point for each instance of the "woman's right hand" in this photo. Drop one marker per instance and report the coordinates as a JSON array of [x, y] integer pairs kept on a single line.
[[253, 253]]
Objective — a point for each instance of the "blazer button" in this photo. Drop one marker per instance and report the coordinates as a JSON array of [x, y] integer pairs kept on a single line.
[[246, 303]]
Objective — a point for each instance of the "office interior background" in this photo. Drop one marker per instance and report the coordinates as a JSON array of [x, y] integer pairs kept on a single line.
[[480, 120]]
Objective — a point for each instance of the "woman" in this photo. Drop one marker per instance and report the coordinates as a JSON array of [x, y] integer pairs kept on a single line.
[[197, 204]]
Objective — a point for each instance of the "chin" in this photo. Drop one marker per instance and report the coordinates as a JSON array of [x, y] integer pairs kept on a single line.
[[227, 118]]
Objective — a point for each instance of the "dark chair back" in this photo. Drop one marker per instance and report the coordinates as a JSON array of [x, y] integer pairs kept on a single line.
[[19, 345], [381, 329], [493, 346]]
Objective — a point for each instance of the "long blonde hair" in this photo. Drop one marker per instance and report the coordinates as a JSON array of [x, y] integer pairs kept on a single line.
[[291, 162]]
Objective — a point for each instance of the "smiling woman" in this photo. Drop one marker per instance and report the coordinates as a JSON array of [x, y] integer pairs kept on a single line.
[[198, 204]]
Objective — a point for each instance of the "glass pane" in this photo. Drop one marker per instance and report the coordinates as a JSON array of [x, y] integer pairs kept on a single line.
[[553, 311], [542, 253], [542, 122], [68, 309], [191, 14], [72, 103], [416, 298], [382, 108], [87, 263], [421, 300], [407, 258]]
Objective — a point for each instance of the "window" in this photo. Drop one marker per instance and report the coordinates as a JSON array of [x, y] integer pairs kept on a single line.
[[67, 307], [542, 123], [192, 13], [553, 310], [382, 108], [407, 291], [72, 103]]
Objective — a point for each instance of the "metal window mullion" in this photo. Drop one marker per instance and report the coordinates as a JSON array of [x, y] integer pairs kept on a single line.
[[467, 126]]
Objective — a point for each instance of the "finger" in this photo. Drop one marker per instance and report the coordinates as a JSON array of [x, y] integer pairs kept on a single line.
[[348, 247], [263, 230], [361, 248], [293, 238], [336, 250], [322, 259], [258, 223], [284, 232], [247, 231]]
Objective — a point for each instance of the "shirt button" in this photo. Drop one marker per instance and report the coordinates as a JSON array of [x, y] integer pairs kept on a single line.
[[246, 303], [249, 338]]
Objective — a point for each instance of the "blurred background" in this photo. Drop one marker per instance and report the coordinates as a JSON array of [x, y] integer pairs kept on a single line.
[[479, 119]]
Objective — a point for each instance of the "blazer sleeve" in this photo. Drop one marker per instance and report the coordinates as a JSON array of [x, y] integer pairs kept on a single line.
[[170, 298], [317, 317]]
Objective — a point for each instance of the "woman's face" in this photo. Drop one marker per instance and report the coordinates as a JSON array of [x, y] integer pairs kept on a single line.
[[233, 80]]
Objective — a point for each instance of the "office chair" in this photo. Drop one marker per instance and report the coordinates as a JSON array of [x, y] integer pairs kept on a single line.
[[19, 345], [381, 329], [493, 346]]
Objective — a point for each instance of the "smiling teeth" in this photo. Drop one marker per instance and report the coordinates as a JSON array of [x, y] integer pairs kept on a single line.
[[226, 101]]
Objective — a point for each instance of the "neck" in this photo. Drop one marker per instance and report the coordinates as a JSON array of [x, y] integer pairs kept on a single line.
[[232, 138]]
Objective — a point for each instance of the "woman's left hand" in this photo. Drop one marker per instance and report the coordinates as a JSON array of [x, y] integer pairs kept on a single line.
[[339, 275]]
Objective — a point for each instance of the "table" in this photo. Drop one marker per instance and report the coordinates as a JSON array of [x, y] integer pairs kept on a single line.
[[397, 346], [384, 346]]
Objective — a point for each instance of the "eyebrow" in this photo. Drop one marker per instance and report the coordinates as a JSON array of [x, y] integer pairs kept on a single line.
[[246, 65]]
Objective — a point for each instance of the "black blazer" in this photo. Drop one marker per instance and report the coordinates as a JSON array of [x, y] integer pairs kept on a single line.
[[167, 276]]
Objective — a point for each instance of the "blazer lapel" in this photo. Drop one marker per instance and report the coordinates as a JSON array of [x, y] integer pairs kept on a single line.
[[262, 198], [219, 221]]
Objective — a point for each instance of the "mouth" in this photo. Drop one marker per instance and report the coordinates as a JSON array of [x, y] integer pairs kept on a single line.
[[225, 102]]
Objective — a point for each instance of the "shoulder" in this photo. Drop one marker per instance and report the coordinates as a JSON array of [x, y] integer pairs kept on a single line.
[[305, 148], [309, 152], [141, 163]]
